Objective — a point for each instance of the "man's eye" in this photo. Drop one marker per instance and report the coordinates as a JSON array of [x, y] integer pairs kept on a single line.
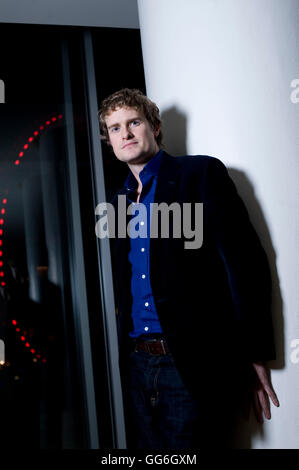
[[114, 129], [136, 122]]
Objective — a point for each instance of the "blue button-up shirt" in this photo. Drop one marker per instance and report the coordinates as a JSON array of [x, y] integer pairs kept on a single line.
[[144, 313]]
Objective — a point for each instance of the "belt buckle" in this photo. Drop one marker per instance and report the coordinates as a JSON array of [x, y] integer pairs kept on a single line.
[[163, 347]]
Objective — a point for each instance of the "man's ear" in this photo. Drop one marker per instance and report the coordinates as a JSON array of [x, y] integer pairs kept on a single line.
[[105, 139], [157, 131]]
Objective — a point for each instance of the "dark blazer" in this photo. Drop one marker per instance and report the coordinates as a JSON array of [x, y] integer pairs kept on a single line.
[[214, 303]]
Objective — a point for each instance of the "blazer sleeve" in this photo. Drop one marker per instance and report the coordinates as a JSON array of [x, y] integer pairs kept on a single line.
[[245, 262]]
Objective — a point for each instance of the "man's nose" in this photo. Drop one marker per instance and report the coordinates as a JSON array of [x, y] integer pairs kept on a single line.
[[126, 133]]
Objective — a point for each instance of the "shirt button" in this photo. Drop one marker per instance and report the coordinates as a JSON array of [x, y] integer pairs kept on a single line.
[[142, 249], [142, 223], [146, 304], [143, 276], [146, 328]]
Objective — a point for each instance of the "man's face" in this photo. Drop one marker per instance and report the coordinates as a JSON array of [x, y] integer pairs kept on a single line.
[[131, 136]]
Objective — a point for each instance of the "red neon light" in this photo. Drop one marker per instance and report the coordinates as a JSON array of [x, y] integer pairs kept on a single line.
[[2, 211], [1, 242], [1, 263], [21, 154], [17, 162], [1, 273], [14, 322], [54, 119], [41, 128], [59, 116], [1, 221], [32, 350], [48, 123], [1, 253], [3, 284], [26, 146], [18, 330], [27, 345], [23, 338], [4, 201], [35, 133], [1, 231], [30, 139]]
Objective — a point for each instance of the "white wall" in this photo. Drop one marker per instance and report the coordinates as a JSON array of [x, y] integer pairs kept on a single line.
[[106, 13], [221, 73]]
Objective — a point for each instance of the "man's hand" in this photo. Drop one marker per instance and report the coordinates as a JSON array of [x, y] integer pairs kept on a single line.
[[262, 391]]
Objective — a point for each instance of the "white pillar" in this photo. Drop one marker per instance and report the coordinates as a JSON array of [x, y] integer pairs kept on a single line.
[[225, 75]]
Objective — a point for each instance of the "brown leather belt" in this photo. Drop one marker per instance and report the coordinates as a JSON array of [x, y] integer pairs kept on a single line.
[[156, 347]]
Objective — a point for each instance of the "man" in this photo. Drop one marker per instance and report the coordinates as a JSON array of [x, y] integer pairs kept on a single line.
[[194, 325]]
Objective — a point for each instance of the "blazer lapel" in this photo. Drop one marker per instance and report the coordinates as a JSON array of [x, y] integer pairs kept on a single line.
[[122, 245], [166, 191], [168, 175]]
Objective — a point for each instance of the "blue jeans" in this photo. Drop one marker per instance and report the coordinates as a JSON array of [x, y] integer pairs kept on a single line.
[[163, 414]]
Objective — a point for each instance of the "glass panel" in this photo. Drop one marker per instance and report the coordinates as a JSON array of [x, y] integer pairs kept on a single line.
[[43, 400], [92, 260]]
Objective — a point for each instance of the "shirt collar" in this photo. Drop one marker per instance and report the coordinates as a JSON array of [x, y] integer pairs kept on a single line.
[[150, 169]]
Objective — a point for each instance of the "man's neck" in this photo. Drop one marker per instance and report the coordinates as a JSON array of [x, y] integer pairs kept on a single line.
[[136, 168]]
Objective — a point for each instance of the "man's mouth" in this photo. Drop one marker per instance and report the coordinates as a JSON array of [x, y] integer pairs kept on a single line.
[[127, 145]]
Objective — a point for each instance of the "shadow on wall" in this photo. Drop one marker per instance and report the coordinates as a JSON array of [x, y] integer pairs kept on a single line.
[[248, 429], [174, 126], [175, 139]]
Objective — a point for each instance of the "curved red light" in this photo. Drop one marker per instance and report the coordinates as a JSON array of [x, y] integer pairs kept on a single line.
[[17, 162]]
